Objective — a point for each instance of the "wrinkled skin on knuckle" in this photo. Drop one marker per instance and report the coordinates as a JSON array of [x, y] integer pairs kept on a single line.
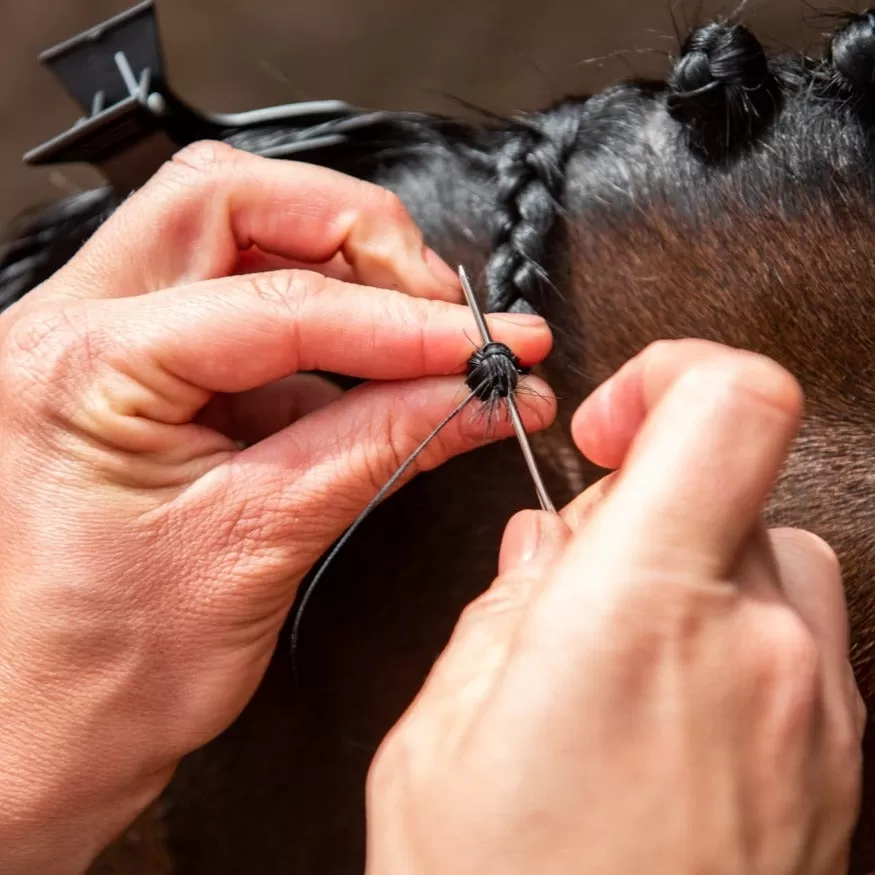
[[182, 186], [287, 292], [44, 355], [379, 238], [480, 610], [200, 163], [188, 200], [390, 443], [60, 366], [422, 315], [391, 436], [289, 296], [371, 450]]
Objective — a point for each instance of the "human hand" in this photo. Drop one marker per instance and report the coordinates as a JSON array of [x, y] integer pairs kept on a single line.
[[655, 684], [147, 562]]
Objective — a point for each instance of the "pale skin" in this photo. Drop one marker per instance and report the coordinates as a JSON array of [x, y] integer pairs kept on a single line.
[[653, 683], [654, 638]]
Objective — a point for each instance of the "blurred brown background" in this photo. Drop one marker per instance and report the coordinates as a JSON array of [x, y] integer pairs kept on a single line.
[[239, 54]]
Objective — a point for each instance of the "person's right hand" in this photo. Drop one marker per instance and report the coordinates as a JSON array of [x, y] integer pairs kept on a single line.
[[664, 690]]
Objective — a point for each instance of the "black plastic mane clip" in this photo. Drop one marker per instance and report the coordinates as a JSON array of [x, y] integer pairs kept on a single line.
[[115, 73], [134, 121]]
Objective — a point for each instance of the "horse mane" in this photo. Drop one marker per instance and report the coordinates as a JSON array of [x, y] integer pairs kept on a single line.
[[734, 200]]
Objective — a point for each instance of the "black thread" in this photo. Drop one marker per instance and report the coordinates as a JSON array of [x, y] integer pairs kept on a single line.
[[493, 374]]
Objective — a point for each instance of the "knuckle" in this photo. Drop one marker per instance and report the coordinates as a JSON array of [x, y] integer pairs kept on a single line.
[[392, 765], [286, 290], [476, 611], [788, 665], [390, 439], [45, 351], [663, 618], [768, 381], [205, 157], [791, 645], [197, 166], [825, 554], [409, 757], [400, 432], [847, 750], [287, 296], [391, 205], [658, 349], [728, 370], [752, 378], [678, 609]]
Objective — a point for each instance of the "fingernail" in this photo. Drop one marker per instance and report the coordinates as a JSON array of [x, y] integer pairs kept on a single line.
[[523, 320], [441, 271], [531, 540], [531, 537]]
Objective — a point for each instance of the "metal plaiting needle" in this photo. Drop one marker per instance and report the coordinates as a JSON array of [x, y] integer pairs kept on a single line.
[[513, 410]]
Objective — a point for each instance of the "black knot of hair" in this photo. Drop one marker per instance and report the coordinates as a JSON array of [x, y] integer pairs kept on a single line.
[[722, 89], [493, 372], [852, 53]]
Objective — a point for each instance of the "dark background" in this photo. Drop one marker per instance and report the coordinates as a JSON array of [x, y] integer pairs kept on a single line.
[[228, 55]]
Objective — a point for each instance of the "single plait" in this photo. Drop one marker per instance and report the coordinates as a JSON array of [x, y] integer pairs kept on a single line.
[[530, 175], [721, 89], [852, 53]]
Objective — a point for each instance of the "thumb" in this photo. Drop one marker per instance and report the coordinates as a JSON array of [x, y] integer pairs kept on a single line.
[[533, 540]]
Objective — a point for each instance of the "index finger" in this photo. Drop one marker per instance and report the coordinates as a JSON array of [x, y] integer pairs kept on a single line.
[[699, 458], [211, 204]]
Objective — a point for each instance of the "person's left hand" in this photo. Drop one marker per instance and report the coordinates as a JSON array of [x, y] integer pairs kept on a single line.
[[147, 562]]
